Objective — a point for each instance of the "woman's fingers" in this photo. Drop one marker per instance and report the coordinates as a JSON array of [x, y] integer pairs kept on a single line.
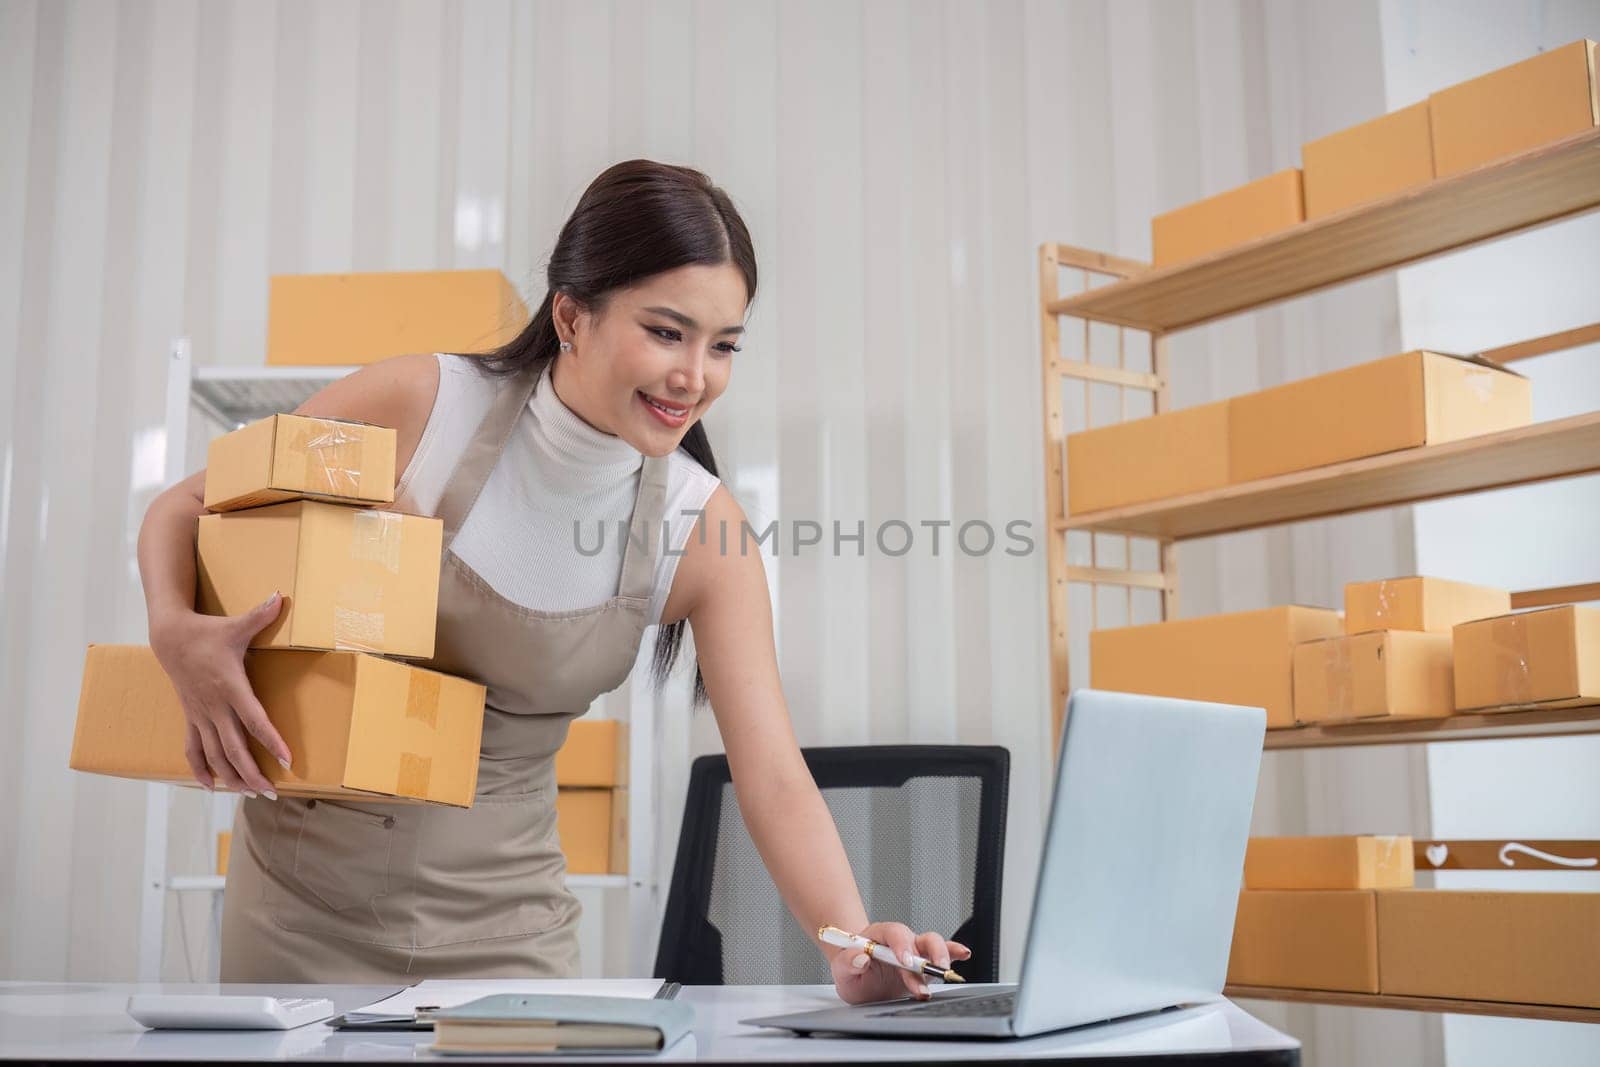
[[221, 769], [903, 944], [195, 753], [931, 946], [244, 764], [254, 718], [958, 950]]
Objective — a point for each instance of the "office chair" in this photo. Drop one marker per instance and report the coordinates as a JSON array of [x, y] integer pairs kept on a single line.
[[924, 827]]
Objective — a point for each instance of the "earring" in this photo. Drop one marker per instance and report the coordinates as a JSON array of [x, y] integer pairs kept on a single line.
[[566, 346]]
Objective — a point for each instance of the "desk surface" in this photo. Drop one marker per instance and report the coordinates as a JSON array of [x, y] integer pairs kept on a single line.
[[87, 1021]]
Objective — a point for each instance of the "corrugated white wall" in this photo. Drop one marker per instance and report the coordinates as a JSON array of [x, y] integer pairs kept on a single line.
[[897, 161]]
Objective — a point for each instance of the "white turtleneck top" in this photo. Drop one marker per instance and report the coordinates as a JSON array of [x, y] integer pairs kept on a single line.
[[556, 468]]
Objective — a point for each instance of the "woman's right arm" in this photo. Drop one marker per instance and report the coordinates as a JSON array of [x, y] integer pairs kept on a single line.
[[203, 655]]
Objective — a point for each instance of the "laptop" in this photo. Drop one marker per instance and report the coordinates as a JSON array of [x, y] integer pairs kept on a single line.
[[1138, 880]]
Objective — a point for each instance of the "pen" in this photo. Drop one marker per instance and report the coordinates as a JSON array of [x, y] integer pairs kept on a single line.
[[832, 935]]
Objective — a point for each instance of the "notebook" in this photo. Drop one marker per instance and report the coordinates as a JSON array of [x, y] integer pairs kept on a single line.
[[530, 1024]]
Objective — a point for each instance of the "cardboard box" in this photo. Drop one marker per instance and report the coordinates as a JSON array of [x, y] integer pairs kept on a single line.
[[1243, 214], [1515, 109], [1352, 862], [594, 831], [1372, 161], [1241, 658], [224, 847], [289, 457], [362, 318], [1404, 401], [1430, 604], [595, 754], [1164, 455], [1521, 947], [358, 726], [1535, 659], [1306, 939], [351, 578], [1387, 674]]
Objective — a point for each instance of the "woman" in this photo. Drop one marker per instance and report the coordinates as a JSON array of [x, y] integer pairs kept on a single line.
[[593, 412]]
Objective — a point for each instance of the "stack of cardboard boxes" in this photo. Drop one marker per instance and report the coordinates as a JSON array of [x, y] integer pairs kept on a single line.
[[592, 797], [291, 501], [1505, 113], [1341, 914]]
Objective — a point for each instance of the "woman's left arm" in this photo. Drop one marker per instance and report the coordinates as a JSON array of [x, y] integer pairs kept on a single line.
[[721, 589]]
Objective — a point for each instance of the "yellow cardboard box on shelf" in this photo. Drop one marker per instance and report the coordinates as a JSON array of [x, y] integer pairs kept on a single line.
[[224, 847], [593, 825], [1350, 862], [1472, 944], [1241, 658], [1515, 109], [357, 726], [321, 319], [1372, 161], [351, 578], [1242, 214], [1387, 674], [595, 754], [1164, 455], [1430, 604], [1548, 658], [1306, 939], [288, 457], [1415, 398]]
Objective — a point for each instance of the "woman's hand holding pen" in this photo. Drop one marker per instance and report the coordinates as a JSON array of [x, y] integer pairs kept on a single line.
[[860, 979]]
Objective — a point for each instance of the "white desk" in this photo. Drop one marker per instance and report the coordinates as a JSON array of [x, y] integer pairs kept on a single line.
[[87, 1021]]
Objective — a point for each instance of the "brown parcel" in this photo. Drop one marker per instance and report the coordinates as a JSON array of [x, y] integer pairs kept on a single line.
[[352, 578], [362, 318], [595, 754], [224, 846], [1306, 939], [1515, 109], [1241, 658], [1415, 398], [1430, 604], [287, 457], [1161, 456], [357, 726], [1241, 214], [1363, 862], [1536, 659], [1521, 947], [593, 827], [1372, 161], [1388, 674]]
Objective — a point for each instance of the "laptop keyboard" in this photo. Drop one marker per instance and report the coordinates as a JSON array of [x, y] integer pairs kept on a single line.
[[997, 1006]]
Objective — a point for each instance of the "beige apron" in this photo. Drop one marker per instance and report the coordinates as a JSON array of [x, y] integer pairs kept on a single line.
[[339, 891]]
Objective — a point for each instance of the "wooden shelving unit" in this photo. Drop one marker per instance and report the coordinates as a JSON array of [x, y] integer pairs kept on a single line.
[[1395, 1003], [1556, 181], [1558, 449], [1549, 183]]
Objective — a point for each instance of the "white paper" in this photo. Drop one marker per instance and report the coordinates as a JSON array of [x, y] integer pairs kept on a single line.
[[442, 993]]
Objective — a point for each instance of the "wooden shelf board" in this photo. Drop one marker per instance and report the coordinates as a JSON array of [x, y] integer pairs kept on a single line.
[[1549, 722], [1525, 191], [1399, 1003], [1557, 449]]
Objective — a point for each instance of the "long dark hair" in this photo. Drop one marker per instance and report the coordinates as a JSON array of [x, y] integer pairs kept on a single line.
[[637, 219]]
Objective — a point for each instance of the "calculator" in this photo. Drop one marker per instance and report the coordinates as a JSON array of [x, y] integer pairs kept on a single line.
[[206, 1011]]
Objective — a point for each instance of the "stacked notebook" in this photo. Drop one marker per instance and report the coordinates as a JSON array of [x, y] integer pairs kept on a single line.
[[516, 1023]]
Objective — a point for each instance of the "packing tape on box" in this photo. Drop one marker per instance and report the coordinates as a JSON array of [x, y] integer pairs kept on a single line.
[[416, 774], [1509, 642], [333, 455], [422, 697], [1386, 602], [358, 621], [376, 536], [1337, 669]]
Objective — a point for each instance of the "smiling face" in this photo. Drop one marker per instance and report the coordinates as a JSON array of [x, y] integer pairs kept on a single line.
[[655, 357]]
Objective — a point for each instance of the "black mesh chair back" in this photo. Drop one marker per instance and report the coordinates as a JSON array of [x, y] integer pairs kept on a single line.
[[924, 827]]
